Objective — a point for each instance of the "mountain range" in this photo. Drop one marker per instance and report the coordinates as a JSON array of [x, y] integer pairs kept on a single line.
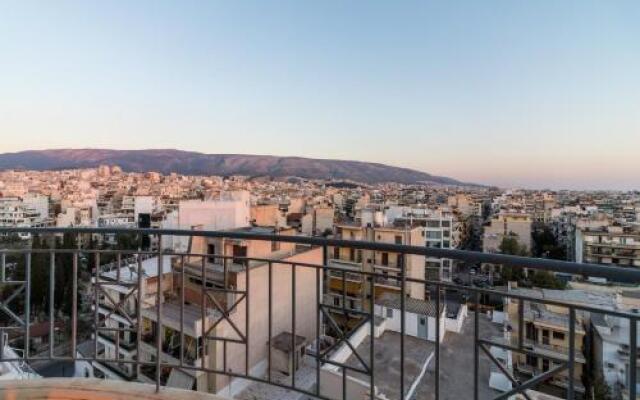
[[194, 163]]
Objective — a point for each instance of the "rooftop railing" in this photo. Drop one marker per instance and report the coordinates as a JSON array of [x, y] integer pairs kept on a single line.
[[271, 293]]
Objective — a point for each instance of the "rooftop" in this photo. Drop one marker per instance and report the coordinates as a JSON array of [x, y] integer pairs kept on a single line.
[[387, 361], [415, 306]]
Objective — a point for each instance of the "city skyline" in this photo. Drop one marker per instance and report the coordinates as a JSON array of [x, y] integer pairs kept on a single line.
[[540, 95]]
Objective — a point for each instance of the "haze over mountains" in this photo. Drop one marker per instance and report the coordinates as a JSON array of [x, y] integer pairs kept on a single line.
[[194, 163]]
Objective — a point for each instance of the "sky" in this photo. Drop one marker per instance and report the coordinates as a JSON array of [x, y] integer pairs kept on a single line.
[[539, 94]]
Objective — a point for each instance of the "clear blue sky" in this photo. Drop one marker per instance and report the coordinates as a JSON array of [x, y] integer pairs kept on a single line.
[[531, 93]]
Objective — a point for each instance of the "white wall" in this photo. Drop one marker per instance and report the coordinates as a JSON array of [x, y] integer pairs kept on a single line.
[[331, 379], [212, 215], [455, 324], [142, 205], [410, 323]]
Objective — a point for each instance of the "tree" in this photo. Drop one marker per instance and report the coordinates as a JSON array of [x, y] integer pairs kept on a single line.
[[511, 246], [546, 280], [545, 244]]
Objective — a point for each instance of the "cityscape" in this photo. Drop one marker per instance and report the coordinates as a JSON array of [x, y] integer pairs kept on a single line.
[[319, 200], [125, 208]]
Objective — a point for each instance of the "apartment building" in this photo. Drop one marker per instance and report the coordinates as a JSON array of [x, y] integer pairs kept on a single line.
[[244, 282], [442, 229], [612, 353], [227, 210], [14, 212], [357, 288], [507, 224], [547, 333], [214, 336], [612, 244], [117, 284], [317, 220], [610, 343]]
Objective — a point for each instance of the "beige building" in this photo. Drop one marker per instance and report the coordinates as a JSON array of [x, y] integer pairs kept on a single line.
[[611, 244], [388, 264], [233, 355], [267, 215], [210, 340], [546, 332], [505, 224], [317, 220]]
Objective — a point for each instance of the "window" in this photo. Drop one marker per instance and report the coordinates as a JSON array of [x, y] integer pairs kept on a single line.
[[385, 259], [558, 335], [336, 252], [531, 331], [398, 239], [545, 336], [433, 235], [211, 250], [389, 312], [532, 361]]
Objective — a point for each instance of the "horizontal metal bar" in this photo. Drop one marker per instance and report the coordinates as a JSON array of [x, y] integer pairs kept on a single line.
[[618, 274], [523, 351]]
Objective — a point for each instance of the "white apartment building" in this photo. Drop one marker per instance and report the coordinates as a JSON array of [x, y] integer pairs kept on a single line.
[[441, 229], [15, 213]]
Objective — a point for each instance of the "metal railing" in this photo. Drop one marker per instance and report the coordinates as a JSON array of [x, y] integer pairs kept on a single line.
[[332, 324]]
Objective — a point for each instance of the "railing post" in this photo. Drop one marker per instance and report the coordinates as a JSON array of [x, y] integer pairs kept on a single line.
[[203, 305], [270, 316], [247, 315], [437, 377], [294, 353], [182, 310], [633, 356], [27, 304], [159, 301], [320, 299], [520, 324], [74, 306], [403, 293], [476, 344], [96, 299], [572, 352], [52, 273], [139, 317], [372, 335]]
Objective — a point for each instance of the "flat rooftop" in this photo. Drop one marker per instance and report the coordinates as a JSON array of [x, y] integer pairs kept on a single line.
[[387, 361]]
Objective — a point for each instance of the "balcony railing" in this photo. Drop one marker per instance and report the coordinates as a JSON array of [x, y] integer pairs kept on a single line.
[[278, 298]]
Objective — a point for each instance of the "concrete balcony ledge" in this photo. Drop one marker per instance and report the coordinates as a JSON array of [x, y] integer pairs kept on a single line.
[[90, 389]]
